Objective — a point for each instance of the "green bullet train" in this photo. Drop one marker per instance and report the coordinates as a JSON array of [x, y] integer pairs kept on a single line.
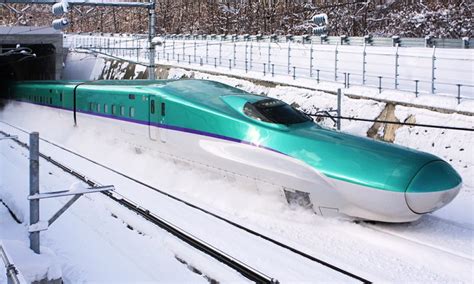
[[259, 137]]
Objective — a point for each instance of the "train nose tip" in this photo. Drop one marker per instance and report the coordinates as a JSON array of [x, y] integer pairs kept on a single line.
[[434, 186]]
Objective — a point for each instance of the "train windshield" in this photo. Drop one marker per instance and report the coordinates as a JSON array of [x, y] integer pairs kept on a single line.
[[275, 111]]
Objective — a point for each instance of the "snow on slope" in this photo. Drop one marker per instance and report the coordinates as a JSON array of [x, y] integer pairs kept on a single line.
[[306, 61]]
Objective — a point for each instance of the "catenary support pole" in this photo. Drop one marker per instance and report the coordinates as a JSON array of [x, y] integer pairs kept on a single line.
[[311, 61], [34, 189], [207, 52], [269, 62], [339, 102], [172, 50], [396, 67], [335, 61], [151, 35], [220, 53], [289, 57], [235, 53], [246, 51], [433, 68], [184, 49], [251, 55], [364, 63]]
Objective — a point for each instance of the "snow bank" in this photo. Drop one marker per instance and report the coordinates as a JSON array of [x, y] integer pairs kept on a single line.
[[32, 266]]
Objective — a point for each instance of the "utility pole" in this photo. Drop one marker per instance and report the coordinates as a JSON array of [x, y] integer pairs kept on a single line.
[[151, 35], [34, 189]]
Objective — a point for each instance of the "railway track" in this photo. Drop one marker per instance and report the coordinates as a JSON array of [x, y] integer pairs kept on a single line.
[[249, 272], [417, 242]]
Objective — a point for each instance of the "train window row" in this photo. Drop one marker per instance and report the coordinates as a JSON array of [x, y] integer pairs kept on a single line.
[[41, 99], [95, 107]]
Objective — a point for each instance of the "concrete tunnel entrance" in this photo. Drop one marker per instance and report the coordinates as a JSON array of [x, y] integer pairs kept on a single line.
[[29, 53], [17, 66]]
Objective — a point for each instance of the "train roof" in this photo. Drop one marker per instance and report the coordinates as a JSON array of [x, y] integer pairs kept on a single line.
[[203, 93], [206, 93]]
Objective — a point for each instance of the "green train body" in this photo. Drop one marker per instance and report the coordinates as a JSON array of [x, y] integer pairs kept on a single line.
[[209, 122]]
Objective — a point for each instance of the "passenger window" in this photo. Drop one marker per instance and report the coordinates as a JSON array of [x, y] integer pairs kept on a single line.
[[122, 111], [152, 107], [132, 112], [106, 108], [61, 96], [90, 106], [275, 111], [98, 107], [114, 109], [162, 109], [50, 101]]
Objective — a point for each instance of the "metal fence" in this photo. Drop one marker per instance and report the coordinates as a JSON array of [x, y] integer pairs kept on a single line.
[[427, 41], [446, 72]]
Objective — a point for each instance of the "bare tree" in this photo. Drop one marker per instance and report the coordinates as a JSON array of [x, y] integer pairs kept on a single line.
[[414, 18]]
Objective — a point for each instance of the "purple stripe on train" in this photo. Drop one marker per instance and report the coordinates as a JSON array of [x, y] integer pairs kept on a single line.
[[160, 125]]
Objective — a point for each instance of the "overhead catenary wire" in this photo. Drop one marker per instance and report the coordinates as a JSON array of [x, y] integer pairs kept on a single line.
[[392, 122]]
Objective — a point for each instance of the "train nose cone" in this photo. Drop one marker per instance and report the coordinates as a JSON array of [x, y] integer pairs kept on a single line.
[[434, 186]]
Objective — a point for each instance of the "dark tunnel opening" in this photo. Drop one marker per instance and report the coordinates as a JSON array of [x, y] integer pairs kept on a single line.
[[39, 65], [25, 62]]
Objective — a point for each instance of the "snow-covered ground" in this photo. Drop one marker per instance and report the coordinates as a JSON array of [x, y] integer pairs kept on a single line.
[[437, 248], [93, 242]]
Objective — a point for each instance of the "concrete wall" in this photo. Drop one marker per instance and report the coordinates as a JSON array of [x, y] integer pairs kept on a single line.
[[36, 36]]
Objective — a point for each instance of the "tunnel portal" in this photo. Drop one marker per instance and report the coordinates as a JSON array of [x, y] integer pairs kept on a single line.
[[30, 53]]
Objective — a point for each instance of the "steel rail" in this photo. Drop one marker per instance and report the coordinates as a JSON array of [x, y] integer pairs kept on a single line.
[[250, 231], [247, 271]]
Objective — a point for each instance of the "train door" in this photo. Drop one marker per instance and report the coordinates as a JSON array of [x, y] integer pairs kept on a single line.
[[156, 116], [153, 118], [162, 120]]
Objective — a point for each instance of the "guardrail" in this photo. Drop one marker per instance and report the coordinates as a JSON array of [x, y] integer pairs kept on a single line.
[[427, 41]]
